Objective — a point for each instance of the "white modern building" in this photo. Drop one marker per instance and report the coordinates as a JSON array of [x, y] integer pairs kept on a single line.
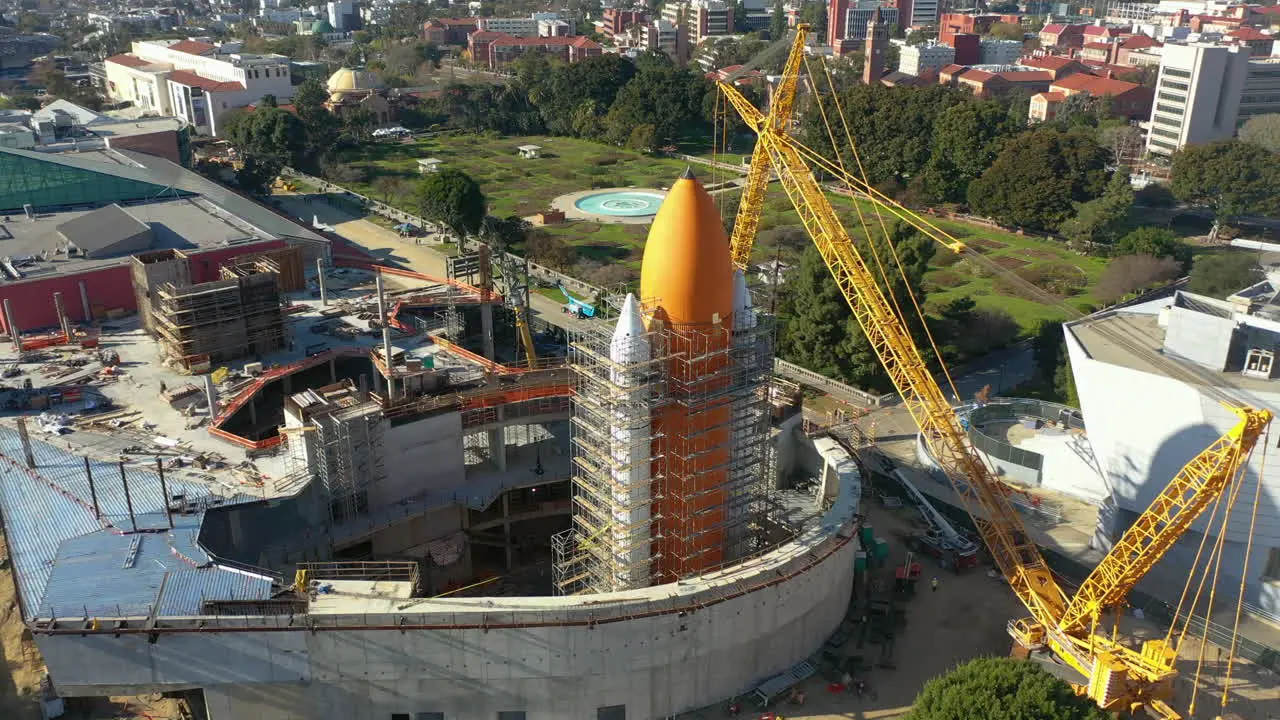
[[1149, 378], [1197, 95], [343, 15], [1261, 92], [701, 18], [916, 59], [999, 52], [513, 26], [192, 81]]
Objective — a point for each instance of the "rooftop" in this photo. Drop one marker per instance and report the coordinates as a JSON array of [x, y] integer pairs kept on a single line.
[[188, 224], [1150, 338], [98, 565], [191, 79]]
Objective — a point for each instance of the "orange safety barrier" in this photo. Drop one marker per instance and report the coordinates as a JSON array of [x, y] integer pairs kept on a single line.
[[515, 395]]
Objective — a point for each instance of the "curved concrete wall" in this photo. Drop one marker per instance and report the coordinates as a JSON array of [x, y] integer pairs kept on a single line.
[[656, 651]]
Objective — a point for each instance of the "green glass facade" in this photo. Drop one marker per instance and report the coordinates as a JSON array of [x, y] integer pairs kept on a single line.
[[45, 183]]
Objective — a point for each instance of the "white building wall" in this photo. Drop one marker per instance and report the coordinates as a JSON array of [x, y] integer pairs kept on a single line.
[[655, 665], [515, 27], [1197, 95], [1000, 52], [421, 457], [915, 59], [1144, 427]]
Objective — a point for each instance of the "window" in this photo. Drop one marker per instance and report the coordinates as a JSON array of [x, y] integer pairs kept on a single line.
[[612, 712], [1164, 144], [511, 715], [1174, 72], [400, 716], [1164, 133], [1171, 85], [1171, 122], [1169, 109], [1258, 362]]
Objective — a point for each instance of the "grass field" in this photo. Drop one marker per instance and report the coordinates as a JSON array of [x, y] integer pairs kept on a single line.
[[516, 186], [1044, 263]]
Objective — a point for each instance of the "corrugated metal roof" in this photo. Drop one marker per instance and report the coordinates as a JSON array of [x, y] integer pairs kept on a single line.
[[66, 561], [104, 574]]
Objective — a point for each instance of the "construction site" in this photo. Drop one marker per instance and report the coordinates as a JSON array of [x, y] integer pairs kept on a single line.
[[302, 485]]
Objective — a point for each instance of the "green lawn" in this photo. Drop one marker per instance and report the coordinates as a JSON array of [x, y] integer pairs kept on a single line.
[[515, 186], [1044, 263]]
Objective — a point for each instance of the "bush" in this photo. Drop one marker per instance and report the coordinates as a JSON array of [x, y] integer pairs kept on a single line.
[[1134, 273], [1222, 274], [1001, 689]]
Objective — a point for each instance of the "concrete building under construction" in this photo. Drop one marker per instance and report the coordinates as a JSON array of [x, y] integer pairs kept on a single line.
[[613, 538]]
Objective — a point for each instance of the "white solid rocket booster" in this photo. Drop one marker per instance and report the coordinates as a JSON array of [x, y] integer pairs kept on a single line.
[[631, 434]]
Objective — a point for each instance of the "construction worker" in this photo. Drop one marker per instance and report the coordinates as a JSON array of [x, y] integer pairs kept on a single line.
[[934, 584]]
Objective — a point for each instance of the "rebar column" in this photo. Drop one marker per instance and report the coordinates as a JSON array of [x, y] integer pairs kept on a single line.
[[324, 291], [25, 438], [386, 337], [63, 321], [128, 499], [84, 302], [15, 334]]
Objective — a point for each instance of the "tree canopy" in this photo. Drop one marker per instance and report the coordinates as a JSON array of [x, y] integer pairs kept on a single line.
[[1103, 219], [452, 198], [1039, 176], [267, 139], [1001, 689], [966, 139], [1230, 178], [1221, 274], [892, 126], [820, 332], [1156, 242], [1263, 131]]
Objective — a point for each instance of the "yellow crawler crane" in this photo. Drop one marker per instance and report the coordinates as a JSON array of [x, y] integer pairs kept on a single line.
[[1118, 677]]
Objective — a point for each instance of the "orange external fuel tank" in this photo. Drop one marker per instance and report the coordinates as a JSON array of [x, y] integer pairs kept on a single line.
[[686, 284]]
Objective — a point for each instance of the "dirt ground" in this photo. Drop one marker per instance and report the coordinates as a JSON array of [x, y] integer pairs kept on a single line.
[[964, 619]]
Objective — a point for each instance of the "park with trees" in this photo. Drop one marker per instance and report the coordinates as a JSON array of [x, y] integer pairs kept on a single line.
[[1060, 218]]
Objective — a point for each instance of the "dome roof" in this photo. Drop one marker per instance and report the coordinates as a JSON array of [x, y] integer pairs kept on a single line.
[[348, 80], [321, 26], [686, 268]]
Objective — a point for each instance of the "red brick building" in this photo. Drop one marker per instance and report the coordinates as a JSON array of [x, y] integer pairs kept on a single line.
[[615, 21], [1058, 66], [1062, 36], [493, 49], [449, 31]]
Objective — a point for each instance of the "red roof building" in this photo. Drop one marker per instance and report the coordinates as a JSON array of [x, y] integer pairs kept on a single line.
[[190, 79], [497, 49], [1128, 99], [449, 31], [1062, 36], [1058, 66], [193, 47], [1260, 44]]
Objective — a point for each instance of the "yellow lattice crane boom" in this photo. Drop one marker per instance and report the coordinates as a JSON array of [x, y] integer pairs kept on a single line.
[[1119, 678]]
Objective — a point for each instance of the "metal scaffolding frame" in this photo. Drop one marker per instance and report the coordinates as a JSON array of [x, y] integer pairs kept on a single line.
[[347, 449], [706, 490]]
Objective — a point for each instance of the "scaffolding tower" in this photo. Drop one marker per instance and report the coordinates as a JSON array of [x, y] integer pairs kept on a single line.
[[698, 501], [220, 320], [348, 449]]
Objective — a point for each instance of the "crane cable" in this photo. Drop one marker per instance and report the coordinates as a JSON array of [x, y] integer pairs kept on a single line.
[[875, 253], [1219, 551], [1244, 572], [844, 123]]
